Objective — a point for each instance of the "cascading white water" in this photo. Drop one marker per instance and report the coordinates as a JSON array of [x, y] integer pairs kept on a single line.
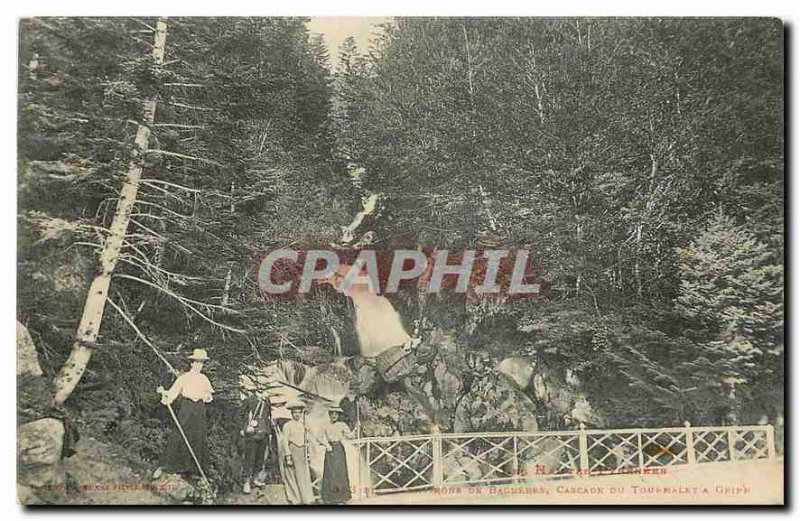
[[377, 323]]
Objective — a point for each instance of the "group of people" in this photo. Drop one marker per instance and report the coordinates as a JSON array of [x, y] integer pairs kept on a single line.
[[267, 430], [295, 448]]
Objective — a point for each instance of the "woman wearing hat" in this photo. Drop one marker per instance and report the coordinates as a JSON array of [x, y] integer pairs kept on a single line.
[[335, 483], [195, 391], [294, 439]]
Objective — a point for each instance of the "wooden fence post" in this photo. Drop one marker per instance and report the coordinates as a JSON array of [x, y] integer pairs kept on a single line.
[[436, 446], [358, 486], [691, 458], [515, 463], [584, 451], [770, 441], [640, 450], [368, 485], [732, 443]]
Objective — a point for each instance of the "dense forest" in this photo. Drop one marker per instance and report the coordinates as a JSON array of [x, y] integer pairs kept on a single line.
[[639, 160]]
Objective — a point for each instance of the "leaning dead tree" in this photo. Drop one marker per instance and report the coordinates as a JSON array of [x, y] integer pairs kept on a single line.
[[92, 316]]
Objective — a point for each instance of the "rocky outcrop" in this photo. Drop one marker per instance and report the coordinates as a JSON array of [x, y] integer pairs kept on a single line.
[[39, 446], [40, 442], [560, 392], [27, 361]]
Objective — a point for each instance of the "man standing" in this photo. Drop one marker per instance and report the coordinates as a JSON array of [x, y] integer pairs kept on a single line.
[[294, 440], [257, 433]]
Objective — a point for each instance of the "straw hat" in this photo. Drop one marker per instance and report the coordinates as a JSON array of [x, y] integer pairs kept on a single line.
[[201, 355], [296, 404], [277, 399], [336, 409]]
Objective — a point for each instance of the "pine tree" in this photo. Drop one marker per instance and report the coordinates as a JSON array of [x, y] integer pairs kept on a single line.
[[731, 295], [731, 287]]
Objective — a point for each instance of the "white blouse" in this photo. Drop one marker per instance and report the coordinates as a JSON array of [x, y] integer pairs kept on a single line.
[[293, 435], [192, 385]]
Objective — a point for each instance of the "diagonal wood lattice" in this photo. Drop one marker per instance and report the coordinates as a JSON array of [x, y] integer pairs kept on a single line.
[[711, 446], [564, 448], [404, 463], [398, 462], [750, 444], [664, 448], [492, 460], [610, 452]]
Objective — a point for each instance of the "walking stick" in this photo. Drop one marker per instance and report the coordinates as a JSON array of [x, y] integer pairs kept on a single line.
[[185, 439]]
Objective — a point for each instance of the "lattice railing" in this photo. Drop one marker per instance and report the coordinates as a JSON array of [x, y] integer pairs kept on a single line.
[[612, 452], [712, 445], [477, 458], [753, 444], [664, 448], [397, 463], [548, 454], [405, 463]]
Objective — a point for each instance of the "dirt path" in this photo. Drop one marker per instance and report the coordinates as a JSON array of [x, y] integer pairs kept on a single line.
[[96, 477], [266, 495]]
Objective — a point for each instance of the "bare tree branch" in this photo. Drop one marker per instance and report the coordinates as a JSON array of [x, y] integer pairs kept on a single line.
[[188, 303], [141, 335]]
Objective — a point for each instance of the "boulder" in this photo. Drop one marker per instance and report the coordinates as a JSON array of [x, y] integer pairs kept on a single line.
[[26, 495], [518, 369], [27, 361], [39, 446]]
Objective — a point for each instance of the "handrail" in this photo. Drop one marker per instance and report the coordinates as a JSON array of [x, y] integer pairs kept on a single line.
[[413, 437], [425, 461]]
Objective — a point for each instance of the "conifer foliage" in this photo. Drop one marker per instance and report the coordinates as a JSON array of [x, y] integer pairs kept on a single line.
[[639, 160]]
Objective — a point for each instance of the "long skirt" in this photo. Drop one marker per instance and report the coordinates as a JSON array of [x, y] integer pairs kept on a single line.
[[335, 483], [298, 478], [176, 457]]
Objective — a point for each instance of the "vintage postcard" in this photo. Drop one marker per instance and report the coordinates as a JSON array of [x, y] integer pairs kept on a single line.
[[400, 261]]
